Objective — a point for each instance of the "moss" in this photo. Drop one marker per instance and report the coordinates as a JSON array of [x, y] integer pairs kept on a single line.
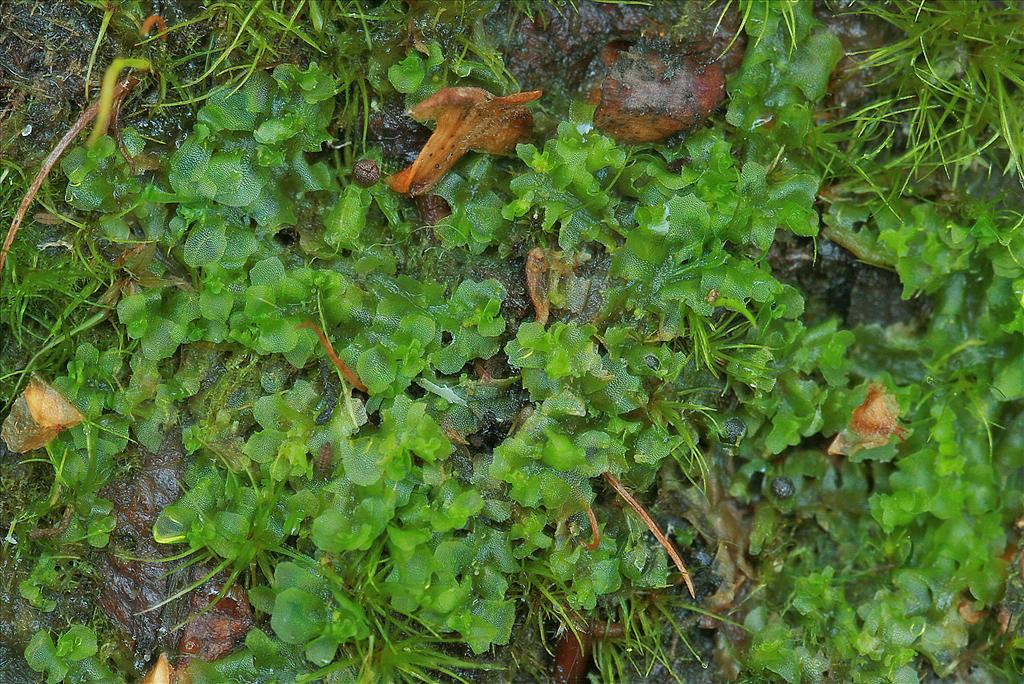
[[707, 338]]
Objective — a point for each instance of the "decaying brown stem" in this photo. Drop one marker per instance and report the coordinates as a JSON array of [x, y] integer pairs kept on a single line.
[[349, 374], [593, 529], [653, 527], [537, 283], [122, 89], [51, 532]]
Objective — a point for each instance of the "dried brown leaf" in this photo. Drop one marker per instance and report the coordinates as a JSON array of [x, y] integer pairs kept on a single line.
[[872, 424], [467, 119], [37, 417], [537, 283]]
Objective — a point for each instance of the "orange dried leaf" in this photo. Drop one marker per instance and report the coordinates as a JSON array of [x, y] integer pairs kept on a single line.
[[161, 672], [872, 424], [37, 417], [467, 119]]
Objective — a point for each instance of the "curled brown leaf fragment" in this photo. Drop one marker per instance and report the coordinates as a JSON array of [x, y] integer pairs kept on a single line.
[[537, 283], [37, 417], [872, 424], [467, 119]]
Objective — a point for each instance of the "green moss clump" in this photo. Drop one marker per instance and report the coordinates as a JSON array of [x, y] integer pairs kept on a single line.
[[455, 516]]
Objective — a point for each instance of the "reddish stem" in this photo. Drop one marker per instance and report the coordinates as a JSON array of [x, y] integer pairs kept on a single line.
[[572, 658], [155, 20], [607, 630], [655, 530], [349, 374], [122, 89]]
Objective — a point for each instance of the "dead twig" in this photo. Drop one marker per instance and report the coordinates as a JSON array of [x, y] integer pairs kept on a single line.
[[120, 91], [653, 527]]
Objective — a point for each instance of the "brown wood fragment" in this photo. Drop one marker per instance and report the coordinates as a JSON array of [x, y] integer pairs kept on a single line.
[[655, 89]]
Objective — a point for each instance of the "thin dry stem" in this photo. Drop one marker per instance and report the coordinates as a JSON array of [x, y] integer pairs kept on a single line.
[[593, 529], [122, 89], [655, 530]]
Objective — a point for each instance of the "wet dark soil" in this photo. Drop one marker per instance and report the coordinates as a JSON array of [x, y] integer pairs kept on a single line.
[[834, 283], [129, 587]]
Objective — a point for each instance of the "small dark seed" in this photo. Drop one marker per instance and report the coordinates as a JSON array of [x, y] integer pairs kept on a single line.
[[365, 173], [783, 487]]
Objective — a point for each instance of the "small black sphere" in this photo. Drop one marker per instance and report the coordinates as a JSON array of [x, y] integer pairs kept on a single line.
[[783, 487], [733, 430]]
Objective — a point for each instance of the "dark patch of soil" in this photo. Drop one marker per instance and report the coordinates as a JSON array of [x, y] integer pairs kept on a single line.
[[849, 84], [399, 138], [825, 277], [835, 283], [129, 587], [44, 51]]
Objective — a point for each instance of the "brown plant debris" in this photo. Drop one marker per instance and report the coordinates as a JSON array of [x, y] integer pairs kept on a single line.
[[594, 531], [467, 119], [161, 672], [654, 90], [37, 417], [655, 530], [537, 283], [872, 424], [349, 374]]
